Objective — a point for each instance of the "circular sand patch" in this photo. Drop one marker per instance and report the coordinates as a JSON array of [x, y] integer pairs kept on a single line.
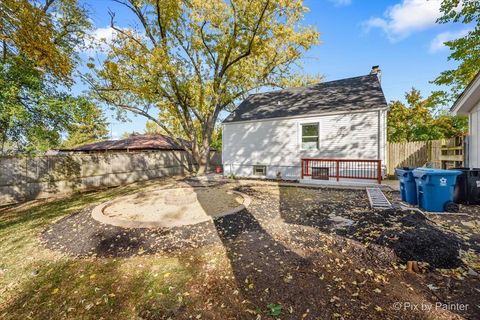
[[170, 207]]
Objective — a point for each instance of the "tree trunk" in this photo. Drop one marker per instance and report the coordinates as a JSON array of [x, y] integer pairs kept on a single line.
[[4, 139], [202, 154], [203, 157]]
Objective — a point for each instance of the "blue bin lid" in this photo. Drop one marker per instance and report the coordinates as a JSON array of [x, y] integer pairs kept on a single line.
[[420, 172]]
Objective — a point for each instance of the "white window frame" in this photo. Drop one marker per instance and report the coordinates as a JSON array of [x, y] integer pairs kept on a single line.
[[264, 171], [301, 134]]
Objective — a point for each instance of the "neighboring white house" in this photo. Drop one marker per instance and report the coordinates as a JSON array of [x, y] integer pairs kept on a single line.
[[469, 104], [269, 133]]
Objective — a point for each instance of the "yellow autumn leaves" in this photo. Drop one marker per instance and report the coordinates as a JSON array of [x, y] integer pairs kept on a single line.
[[44, 32]]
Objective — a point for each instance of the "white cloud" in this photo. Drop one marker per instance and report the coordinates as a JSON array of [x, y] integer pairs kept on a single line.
[[404, 18], [103, 34], [438, 43], [99, 39], [341, 3]]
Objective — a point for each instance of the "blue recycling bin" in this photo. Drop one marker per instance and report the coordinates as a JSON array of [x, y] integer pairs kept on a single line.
[[435, 188], [408, 187]]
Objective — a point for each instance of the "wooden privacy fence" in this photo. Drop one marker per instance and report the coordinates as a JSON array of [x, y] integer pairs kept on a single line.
[[442, 154], [25, 178]]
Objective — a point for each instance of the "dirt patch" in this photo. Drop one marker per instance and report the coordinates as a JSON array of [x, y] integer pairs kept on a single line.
[[465, 225], [168, 208], [411, 236]]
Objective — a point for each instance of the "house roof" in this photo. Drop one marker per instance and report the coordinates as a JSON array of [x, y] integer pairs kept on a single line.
[[135, 142], [352, 94], [469, 97]]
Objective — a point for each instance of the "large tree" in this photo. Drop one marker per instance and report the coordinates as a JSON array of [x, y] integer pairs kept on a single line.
[[421, 119], [192, 59], [39, 40], [464, 50]]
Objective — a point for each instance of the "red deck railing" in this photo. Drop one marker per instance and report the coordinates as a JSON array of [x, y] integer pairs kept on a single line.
[[342, 168]]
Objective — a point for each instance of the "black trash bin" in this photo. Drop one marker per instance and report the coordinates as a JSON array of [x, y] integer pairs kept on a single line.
[[467, 189]]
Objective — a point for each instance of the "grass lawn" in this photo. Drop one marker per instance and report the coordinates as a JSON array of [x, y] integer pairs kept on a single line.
[[289, 256]]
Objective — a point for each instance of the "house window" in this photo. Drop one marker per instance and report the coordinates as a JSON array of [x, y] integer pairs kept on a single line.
[[259, 170], [310, 136]]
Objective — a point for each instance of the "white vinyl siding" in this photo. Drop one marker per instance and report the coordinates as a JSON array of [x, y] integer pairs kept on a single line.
[[276, 143]]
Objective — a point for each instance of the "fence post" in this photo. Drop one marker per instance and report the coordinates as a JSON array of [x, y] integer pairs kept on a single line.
[[301, 163], [337, 170], [379, 171]]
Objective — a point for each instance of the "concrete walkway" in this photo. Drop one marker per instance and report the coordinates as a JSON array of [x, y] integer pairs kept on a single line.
[[394, 184], [386, 184]]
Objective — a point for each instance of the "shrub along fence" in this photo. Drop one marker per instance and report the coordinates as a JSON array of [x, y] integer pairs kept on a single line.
[[442, 154], [25, 178]]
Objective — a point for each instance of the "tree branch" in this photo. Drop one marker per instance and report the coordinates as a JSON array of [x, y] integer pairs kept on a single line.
[[206, 45], [250, 44], [135, 9], [47, 5], [232, 38], [136, 110], [112, 25], [159, 21]]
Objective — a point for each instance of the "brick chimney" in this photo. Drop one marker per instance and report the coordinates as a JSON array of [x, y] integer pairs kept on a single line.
[[376, 70]]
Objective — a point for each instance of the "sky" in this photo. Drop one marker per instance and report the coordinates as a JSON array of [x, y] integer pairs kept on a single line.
[[400, 36]]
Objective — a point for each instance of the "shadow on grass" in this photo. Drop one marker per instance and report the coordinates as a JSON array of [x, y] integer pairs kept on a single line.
[[101, 289]]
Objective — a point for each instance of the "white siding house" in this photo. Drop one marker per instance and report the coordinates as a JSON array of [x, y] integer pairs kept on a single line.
[[343, 119], [469, 104]]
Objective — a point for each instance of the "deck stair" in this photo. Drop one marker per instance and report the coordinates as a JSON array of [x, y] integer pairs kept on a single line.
[[377, 199]]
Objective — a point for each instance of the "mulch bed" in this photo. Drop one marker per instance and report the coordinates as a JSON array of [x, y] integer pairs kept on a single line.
[[408, 233], [289, 249], [80, 235]]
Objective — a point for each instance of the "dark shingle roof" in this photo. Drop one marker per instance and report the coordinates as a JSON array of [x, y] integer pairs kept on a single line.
[[135, 142], [352, 94]]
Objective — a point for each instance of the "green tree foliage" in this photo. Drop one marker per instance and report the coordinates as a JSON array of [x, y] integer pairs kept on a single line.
[[217, 139], [87, 125], [34, 113], [31, 112], [152, 128], [192, 59], [127, 134], [465, 50], [418, 120], [45, 32], [38, 56]]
